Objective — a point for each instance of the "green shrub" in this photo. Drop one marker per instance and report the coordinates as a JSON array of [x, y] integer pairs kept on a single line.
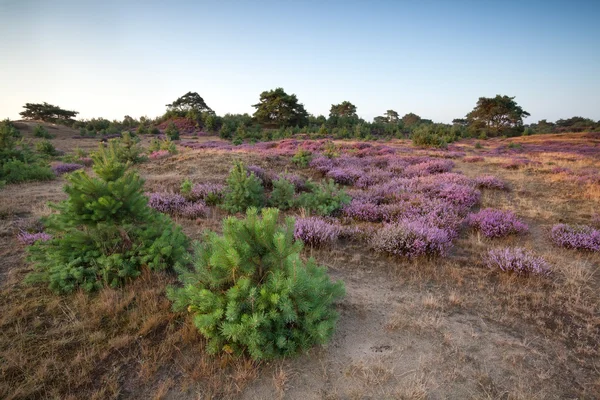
[[154, 131], [15, 171], [7, 129], [324, 199], [46, 148], [127, 149], [104, 233], [302, 158], [478, 145], [186, 188], [165, 144], [243, 190], [423, 138], [41, 132], [330, 150], [172, 132], [250, 291], [282, 195]]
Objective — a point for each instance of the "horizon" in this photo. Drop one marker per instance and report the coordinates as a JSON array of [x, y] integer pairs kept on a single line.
[[435, 60]]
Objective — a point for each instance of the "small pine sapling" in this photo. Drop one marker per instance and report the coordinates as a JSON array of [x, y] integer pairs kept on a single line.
[[282, 195], [243, 190]]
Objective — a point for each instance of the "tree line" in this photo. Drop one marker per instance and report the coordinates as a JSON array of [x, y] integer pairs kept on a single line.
[[281, 115]]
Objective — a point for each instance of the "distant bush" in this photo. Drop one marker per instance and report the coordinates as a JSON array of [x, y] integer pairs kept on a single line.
[[46, 148], [16, 171], [251, 292], [315, 231], [186, 188], [489, 182], [331, 150], [126, 149], [211, 193], [159, 154], [516, 260], [282, 195], [496, 223], [411, 239], [64, 168], [473, 159], [166, 144], [104, 233], [41, 132], [581, 237], [243, 190], [302, 158], [324, 199], [432, 135], [172, 132]]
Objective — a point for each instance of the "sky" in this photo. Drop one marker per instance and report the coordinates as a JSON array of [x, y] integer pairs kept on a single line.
[[434, 58]]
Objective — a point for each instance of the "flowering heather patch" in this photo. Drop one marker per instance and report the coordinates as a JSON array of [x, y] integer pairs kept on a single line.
[[158, 154], [363, 211], [489, 182], [260, 173], [296, 180], [373, 177], [315, 231], [30, 238], [411, 239], [64, 168], [596, 220], [473, 159], [202, 191], [463, 197], [581, 237], [446, 177], [322, 164], [515, 163], [429, 167], [496, 223], [168, 203], [345, 176], [516, 260], [560, 170], [194, 210]]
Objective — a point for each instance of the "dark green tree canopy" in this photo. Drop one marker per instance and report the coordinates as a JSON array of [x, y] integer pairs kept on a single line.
[[278, 108], [410, 119], [344, 109], [47, 112], [497, 115], [392, 116], [188, 102]]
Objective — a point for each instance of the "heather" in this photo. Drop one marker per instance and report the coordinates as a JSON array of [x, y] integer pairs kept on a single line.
[[489, 182], [175, 204], [28, 238], [580, 237], [516, 260], [316, 231], [64, 168], [411, 239], [496, 223]]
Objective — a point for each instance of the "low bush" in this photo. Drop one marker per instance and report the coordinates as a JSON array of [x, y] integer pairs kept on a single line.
[[159, 154], [243, 190], [315, 231], [104, 233], [16, 171], [28, 238], [251, 292], [211, 193], [411, 239], [581, 237], [516, 260], [496, 223], [46, 148], [302, 158], [323, 199], [40, 132], [282, 195], [64, 168], [172, 132], [489, 182]]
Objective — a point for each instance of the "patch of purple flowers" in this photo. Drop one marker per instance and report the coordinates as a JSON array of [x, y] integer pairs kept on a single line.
[[201, 191], [175, 204], [496, 223], [489, 182], [316, 231], [345, 176], [30, 238], [65, 168], [411, 239], [516, 260], [580, 237], [159, 154]]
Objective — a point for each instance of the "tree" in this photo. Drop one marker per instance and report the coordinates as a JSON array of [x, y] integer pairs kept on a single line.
[[392, 116], [278, 108], [47, 112], [188, 102], [344, 109], [498, 115], [410, 119]]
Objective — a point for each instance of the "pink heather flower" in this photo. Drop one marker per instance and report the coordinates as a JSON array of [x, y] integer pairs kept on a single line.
[[158, 154], [345, 176], [65, 168], [489, 182], [516, 260], [580, 237], [30, 238], [411, 239], [473, 159], [176, 205], [496, 223], [315, 231], [201, 191]]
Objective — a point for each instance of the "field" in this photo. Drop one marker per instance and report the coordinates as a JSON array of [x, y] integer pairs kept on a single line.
[[427, 327]]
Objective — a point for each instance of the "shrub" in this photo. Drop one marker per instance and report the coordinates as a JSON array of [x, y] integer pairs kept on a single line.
[[64, 168], [250, 291], [581, 237], [210, 193], [172, 132], [46, 148], [16, 171], [282, 195], [516, 260], [104, 233], [324, 199], [159, 154], [302, 158], [331, 150], [41, 132], [28, 238], [177, 205], [243, 190], [315, 231], [411, 239], [496, 223], [186, 188], [489, 182], [345, 176], [162, 145], [127, 149], [473, 159], [261, 174]]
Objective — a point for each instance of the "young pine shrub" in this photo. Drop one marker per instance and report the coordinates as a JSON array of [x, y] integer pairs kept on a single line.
[[282, 195], [516, 260], [302, 158], [104, 233], [324, 199], [243, 190], [172, 132], [40, 132], [251, 292], [496, 223], [46, 148], [580, 237]]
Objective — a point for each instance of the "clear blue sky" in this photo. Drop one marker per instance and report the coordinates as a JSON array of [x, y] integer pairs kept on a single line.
[[434, 58]]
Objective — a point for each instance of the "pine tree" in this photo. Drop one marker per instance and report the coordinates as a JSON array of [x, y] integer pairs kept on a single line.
[[251, 292], [282, 195], [243, 190], [104, 233]]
